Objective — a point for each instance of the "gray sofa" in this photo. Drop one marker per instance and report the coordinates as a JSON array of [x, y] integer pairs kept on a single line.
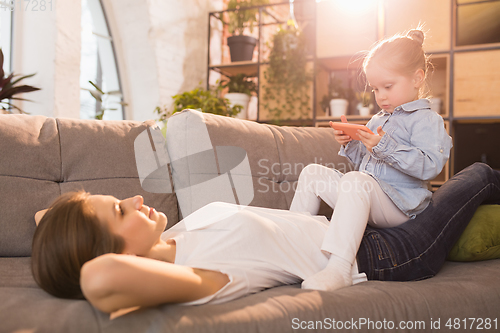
[[41, 158]]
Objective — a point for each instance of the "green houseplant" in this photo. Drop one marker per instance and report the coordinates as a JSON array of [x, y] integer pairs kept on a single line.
[[240, 88], [200, 99], [9, 88], [103, 98], [287, 87], [242, 14], [239, 83], [365, 104]]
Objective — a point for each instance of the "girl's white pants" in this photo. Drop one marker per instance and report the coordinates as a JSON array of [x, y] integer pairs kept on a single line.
[[356, 198]]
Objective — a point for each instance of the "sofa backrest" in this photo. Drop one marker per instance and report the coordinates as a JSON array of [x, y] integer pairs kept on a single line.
[[41, 157], [276, 155]]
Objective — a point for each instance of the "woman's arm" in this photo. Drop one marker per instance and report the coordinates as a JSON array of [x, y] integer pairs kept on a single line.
[[114, 281]]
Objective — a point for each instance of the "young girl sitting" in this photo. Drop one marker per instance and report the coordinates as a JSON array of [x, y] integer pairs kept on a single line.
[[390, 186]]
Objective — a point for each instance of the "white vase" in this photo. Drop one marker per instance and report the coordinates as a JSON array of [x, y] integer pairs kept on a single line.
[[252, 110], [239, 99], [338, 107], [364, 111]]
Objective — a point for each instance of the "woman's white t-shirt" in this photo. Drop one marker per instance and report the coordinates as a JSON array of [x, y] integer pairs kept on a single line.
[[257, 248]]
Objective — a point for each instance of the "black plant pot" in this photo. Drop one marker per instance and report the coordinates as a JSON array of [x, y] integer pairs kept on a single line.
[[241, 47]]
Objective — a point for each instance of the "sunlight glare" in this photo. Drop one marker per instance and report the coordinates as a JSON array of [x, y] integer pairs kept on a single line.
[[355, 7]]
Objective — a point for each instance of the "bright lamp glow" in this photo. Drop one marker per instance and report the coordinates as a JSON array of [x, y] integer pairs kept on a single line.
[[353, 7], [356, 6]]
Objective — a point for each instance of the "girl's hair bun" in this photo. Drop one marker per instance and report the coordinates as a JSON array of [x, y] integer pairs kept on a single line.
[[417, 35]]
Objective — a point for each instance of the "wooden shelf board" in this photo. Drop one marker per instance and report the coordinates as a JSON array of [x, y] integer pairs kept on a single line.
[[249, 68], [341, 63]]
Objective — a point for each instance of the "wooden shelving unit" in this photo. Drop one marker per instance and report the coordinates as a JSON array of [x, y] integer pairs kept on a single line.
[[270, 17], [466, 77], [249, 68]]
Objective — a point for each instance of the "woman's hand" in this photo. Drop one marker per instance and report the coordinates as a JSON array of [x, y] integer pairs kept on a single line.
[[371, 140], [39, 215], [340, 136]]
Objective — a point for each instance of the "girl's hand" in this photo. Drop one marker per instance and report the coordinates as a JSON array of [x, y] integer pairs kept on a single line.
[[371, 140], [341, 137]]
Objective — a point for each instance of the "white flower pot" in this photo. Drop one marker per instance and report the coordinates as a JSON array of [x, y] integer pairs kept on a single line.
[[252, 108], [239, 99], [338, 107], [364, 111]]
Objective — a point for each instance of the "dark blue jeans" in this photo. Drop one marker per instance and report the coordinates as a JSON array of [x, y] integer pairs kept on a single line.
[[418, 248]]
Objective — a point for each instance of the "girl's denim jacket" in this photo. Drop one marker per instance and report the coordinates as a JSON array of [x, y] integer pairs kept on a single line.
[[413, 150]]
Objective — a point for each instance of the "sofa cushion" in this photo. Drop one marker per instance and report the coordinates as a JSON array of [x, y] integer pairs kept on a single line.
[[481, 238], [29, 171], [280, 309], [33, 310], [203, 172], [276, 156], [43, 157], [16, 272], [29, 147], [98, 156]]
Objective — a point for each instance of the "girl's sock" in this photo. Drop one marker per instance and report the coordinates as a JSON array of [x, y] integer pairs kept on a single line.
[[336, 275]]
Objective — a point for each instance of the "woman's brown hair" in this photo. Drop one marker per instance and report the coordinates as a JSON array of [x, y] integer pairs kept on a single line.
[[69, 235]]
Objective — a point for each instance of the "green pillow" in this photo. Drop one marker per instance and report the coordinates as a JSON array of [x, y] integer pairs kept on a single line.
[[481, 238]]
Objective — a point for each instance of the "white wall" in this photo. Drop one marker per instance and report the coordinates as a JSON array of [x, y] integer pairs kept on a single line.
[[47, 42], [161, 47], [129, 25]]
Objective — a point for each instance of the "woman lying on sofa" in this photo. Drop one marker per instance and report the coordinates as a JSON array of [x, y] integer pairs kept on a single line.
[[116, 255]]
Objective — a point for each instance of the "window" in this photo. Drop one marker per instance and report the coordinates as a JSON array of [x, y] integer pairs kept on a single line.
[[478, 22], [6, 13], [98, 65]]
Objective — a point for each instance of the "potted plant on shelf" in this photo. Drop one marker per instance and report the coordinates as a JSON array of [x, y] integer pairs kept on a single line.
[[288, 79], [365, 104], [8, 89], [200, 99], [337, 99], [242, 15], [240, 88]]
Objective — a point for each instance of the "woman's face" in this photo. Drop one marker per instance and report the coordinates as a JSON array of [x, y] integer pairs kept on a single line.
[[139, 225]]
